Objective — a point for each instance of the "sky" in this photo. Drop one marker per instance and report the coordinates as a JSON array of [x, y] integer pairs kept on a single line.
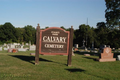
[[52, 13]]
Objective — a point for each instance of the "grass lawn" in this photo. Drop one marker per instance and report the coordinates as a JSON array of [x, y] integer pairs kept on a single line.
[[20, 66]]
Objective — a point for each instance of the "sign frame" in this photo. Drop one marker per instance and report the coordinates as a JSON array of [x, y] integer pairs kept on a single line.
[[42, 32]]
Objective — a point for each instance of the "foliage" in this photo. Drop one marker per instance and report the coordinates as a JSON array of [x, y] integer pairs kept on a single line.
[[20, 33], [29, 34], [9, 34], [112, 14], [84, 33], [99, 36]]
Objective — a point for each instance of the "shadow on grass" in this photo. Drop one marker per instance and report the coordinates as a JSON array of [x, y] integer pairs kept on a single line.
[[75, 70], [95, 59], [85, 72], [29, 58], [32, 58], [82, 53]]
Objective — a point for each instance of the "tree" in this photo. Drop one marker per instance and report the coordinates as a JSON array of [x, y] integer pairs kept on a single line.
[[114, 39], [84, 33], [20, 34], [112, 13], [46, 27], [102, 34], [29, 34], [8, 33], [63, 27], [101, 25]]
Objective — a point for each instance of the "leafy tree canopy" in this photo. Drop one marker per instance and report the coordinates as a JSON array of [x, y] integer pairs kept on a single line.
[[112, 13]]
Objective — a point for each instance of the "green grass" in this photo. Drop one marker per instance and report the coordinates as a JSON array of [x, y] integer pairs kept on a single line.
[[20, 66]]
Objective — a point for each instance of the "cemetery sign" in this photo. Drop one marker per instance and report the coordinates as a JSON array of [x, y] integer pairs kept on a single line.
[[54, 41]]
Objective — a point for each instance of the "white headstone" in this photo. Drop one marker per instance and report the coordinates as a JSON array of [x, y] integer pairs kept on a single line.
[[119, 57], [32, 48], [26, 44], [22, 46], [12, 46], [76, 45], [22, 49], [5, 48], [0, 48], [5, 44], [14, 43]]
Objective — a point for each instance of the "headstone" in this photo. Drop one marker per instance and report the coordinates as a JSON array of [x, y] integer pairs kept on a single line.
[[18, 43], [12, 50], [5, 44], [119, 57], [86, 54], [12, 46], [22, 46], [95, 48], [113, 49], [76, 45], [85, 49], [22, 49], [32, 53], [14, 43], [95, 51], [0, 48], [27, 44], [118, 51], [73, 52], [32, 48], [106, 55], [6, 48], [75, 49]]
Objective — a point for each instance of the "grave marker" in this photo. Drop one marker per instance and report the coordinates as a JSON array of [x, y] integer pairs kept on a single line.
[[118, 57], [106, 55], [32, 47], [0, 48], [21, 48]]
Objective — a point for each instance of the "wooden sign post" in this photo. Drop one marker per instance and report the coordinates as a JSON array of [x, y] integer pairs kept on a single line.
[[70, 47], [37, 45]]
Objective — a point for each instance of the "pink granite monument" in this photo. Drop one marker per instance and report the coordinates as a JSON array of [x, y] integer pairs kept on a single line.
[[106, 55]]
